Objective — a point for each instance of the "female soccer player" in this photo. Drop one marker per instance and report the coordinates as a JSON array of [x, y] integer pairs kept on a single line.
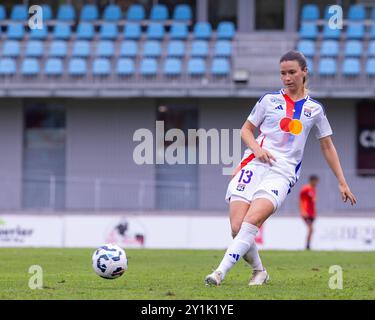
[[272, 167]]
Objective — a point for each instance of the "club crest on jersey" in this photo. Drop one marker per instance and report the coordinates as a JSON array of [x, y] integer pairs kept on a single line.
[[307, 112], [241, 187]]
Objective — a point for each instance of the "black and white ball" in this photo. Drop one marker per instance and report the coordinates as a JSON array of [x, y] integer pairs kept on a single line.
[[109, 261]]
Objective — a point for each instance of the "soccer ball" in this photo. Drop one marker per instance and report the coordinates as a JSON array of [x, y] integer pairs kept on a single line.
[[109, 261]]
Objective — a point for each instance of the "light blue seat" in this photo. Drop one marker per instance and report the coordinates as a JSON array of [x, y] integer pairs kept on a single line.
[[370, 67], [199, 48], [81, 48], [223, 48], [155, 31], [172, 67], [108, 31], [66, 12], [372, 31], [371, 49], [308, 30], [357, 12], [307, 47], [329, 33], [101, 67], [112, 12], [356, 31], [30, 67], [196, 67], [39, 34], [34, 48], [327, 67], [152, 48], [182, 12], [128, 48], [89, 12], [176, 48], [330, 48], [353, 48], [85, 30], [202, 30], [77, 67], [7, 67], [62, 31], [310, 12], [104, 48], [351, 67], [58, 48], [220, 67], [3, 15], [15, 31], [149, 67], [179, 31], [11, 48], [310, 66], [47, 12], [159, 12], [125, 67], [132, 31], [19, 13], [226, 30], [136, 12], [54, 67]]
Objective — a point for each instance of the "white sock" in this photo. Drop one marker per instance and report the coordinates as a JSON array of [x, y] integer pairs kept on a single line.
[[239, 246], [252, 258]]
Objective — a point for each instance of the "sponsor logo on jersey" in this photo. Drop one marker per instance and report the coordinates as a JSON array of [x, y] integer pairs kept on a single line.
[[307, 112], [279, 107], [241, 187]]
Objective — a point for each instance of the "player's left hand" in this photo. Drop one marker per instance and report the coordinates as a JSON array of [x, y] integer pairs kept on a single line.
[[346, 194]]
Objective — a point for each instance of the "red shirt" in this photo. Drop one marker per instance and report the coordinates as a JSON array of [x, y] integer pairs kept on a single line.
[[307, 198]]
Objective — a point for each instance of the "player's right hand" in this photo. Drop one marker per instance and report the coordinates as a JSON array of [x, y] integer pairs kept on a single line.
[[265, 156]]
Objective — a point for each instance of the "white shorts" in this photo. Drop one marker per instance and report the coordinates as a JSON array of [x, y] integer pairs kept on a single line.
[[257, 181]]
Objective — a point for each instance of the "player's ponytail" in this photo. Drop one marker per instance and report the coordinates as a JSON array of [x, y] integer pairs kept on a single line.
[[294, 55]]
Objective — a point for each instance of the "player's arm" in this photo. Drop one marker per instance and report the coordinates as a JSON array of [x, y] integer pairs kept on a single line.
[[332, 158]]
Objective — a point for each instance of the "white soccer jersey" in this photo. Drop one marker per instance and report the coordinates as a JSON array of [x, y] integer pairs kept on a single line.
[[285, 125]]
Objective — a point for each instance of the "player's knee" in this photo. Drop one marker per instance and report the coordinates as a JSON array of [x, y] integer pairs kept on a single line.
[[235, 230]]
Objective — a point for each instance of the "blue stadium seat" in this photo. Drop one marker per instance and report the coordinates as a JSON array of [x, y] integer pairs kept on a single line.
[[327, 67], [372, 31], [152, 48], [30, 67], [112, 12], [176, 48], [81, 48], [39, 34], [53, 67], [89, 12], [172, 67], [199, 48], [327, 14], [179, 31], [62, 31], [155, 31], [66, 12], [101, 67], [307, 47], [58, 48], [196, 67], [132, 31], [77, 67], [372, 14], [226, 30], [11, 48], [47, 12], [353, 48], [3, 15], [149, 67], [108, 31], [310, 66], [136, 12], [370, 67], [310, 12], [329, 33], [85, 30], [182, 12], [330, 48], [308, 30], [159, 12], [19, 13], [220, 67], [15, 31], [104, 48], [355, 31], [357, 12], [7, 67], [202, 30], [34, 48], [351, 67], [128, 48], [371, 49], [125, 67], [223, 48]]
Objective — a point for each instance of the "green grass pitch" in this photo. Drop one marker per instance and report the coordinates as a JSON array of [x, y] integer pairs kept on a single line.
[[179, 274]]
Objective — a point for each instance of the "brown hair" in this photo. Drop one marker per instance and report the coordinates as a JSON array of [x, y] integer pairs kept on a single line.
[[294, 55]]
